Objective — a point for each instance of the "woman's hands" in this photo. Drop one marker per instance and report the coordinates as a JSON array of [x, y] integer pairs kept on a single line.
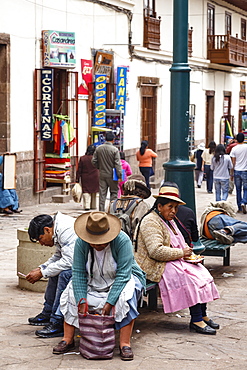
[[106, 309], [187, 251]]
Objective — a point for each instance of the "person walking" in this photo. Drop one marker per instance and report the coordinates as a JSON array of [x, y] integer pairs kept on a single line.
[[127, 171], [88, 175], [144, 156], [107, 158], [239, 172], [198, 160], [207, 156], [221, 166]]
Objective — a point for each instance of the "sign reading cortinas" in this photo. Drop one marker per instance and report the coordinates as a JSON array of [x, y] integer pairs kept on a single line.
[[59, 49], [46, 104]]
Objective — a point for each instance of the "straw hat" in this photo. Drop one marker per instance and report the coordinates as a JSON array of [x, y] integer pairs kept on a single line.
[[137, 181], [97, 227], [169, 192]]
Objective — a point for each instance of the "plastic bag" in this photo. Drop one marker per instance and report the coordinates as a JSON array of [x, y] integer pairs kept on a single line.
[[77, 192]]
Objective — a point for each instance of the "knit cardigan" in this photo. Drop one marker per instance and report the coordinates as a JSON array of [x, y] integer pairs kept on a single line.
[[153, 247], [122, 252]]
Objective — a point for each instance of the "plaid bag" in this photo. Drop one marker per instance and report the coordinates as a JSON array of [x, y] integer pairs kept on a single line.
[[97, 336]]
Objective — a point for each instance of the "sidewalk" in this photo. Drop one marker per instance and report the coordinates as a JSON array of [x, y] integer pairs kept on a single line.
[[164, 341]]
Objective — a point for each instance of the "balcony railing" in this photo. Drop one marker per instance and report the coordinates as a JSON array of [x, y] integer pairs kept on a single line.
[[152, 33], [226, 49], [190, 50]]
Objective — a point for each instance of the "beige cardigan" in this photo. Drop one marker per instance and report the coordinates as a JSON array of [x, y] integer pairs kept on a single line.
[[153, 248]]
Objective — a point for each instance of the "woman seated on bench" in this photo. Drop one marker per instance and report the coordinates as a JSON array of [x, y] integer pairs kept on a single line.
[[161, 250]]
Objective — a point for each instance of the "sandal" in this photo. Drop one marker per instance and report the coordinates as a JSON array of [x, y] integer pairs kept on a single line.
[[126, 353]]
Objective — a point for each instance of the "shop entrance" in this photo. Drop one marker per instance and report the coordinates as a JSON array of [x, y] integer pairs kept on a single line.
[[55, 161], [209, 117], [148, 87]]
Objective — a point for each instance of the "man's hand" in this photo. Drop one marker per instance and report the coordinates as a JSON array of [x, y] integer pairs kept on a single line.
[[106, 309], [34, 275]]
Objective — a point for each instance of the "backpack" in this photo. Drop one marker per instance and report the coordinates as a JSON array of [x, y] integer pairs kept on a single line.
[[125, 214]]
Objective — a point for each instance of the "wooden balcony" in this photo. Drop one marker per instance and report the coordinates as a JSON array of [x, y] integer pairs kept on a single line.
[[226, 49], [152, 32]]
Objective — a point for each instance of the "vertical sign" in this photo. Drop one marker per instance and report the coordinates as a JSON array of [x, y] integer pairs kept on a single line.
[[86, 78], [121, 88], [46, 104], [100, 100]]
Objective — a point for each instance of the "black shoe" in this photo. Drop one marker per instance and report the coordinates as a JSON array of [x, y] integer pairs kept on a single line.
[[212, 324], [50, 331], [199, 186], [206, 330], [39, 320]]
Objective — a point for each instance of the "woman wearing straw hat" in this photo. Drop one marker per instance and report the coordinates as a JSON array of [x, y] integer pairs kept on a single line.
[[104, 273], [162, 253]]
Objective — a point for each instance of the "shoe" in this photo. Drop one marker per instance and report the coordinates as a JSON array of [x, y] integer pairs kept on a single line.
[[17, 210], [223, 237], [198, 186], [210, 192], [50, 331], [63, 347], [243, 206], [212, 324], [206, 330], [7, 212], [39, 320], [126, 353]]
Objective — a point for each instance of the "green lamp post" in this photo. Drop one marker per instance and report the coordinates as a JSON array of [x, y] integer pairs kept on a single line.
[[179, 168]]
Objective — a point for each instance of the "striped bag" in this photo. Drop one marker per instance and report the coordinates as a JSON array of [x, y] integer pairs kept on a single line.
[[97, 336]]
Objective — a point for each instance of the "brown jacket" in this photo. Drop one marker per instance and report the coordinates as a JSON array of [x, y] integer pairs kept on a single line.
[[153, 248]]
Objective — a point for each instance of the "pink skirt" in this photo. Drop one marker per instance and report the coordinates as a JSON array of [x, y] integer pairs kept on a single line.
[[184, 285]]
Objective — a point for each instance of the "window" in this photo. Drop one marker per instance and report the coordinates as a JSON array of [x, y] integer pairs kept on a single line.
[[243, 29], [149, 8], [151, 26], [228, 23], [210, 18]]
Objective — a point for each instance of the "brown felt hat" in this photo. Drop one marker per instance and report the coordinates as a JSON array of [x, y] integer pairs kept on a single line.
[[169, 192], [97, 227], [139, 182]]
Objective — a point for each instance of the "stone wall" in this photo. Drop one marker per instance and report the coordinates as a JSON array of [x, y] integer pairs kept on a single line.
[[163, 156]]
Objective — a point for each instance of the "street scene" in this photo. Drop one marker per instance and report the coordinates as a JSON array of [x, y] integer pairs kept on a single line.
[[123, 184], [159, 340]]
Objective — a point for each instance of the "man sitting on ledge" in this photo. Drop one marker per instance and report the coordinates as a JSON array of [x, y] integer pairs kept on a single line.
[[58, 231], [218, 222]]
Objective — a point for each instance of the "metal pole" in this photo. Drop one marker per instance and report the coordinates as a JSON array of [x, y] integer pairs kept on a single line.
[[179, 168]]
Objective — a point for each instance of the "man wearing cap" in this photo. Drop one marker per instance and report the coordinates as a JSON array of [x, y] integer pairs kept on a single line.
[[107, 158], [58, 231], [198, 159], [132, 201], [105, 274]]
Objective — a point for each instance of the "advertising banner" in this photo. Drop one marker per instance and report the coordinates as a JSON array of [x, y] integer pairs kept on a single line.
[[46, 104], [121, 88], [100, 100], [86, 78], [103, 64], [59, 49]]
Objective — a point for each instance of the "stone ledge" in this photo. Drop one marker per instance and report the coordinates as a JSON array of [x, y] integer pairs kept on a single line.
[[61, 198]]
